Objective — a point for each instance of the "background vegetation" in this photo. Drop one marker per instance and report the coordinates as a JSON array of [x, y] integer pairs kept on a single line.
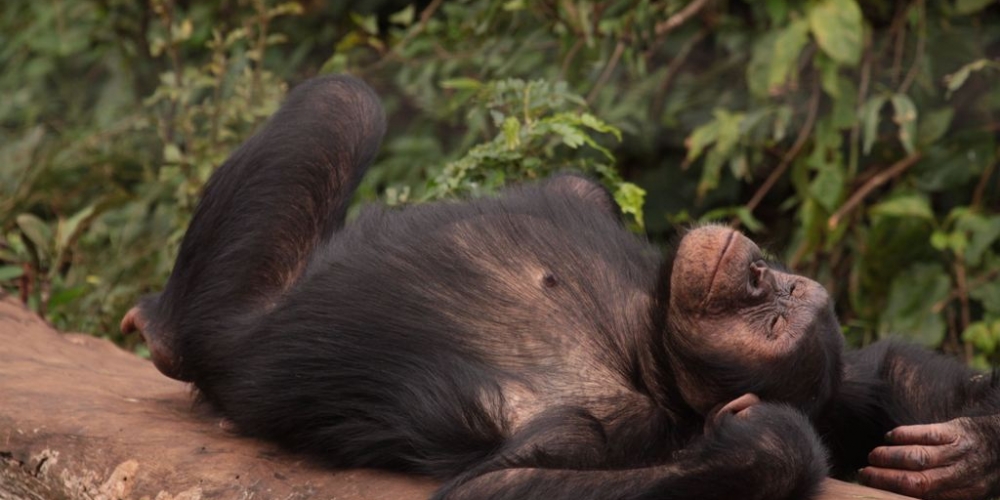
[[856, 139]]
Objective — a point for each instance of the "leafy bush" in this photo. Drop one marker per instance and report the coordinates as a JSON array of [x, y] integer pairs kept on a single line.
[[858, 139]]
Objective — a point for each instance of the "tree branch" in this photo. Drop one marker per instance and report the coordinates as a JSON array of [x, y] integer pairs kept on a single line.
[[608, 69], [674, 21], [876, 181], [786, 161], [919, 54], [673, 69]]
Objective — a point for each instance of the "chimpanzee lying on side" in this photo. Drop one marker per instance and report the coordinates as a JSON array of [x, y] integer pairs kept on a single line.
[[529, 346]]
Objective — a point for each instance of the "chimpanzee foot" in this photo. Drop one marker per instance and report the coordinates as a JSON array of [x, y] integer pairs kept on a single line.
[[159, 343]]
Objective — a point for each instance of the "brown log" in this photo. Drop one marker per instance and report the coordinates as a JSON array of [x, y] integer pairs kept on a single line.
[[82, 419]]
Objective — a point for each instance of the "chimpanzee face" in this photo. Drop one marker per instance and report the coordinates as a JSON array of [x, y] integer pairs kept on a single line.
[[739, 323]]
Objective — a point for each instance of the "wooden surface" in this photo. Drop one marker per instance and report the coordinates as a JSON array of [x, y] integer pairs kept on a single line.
[[82, 419]]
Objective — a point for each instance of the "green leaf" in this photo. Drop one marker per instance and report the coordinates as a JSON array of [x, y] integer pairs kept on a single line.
[[933, 125], [828, 186], [8, 273], [37, 231], [66, 295], [67, 229], [988, 294], [726, 138], [512, 132], [785, 55], [758, 72], [980, 335], [631, 199], [914, 205], [746, 218], [906, 118], [782, 117], [595, 123], [404, 17], [514, 5], [462, 83], [172, 154], [571, 136], [829, 75], [955, 80], [971, 6], [909, 311], [838, 28], [777, 10], [700, 138], [983, 231], [870, 115], [369, 24], [844, 113]]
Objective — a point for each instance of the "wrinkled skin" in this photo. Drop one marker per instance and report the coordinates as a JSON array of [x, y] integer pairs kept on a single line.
[[953, 460]]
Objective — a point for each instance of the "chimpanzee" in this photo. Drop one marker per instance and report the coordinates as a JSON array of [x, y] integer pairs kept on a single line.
[[529, 346]]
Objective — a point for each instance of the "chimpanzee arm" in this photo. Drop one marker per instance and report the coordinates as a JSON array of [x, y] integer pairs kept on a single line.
[[943, 440], [763, 452]]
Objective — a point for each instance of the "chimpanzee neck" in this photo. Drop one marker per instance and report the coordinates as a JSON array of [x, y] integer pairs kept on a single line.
[[657, 379]]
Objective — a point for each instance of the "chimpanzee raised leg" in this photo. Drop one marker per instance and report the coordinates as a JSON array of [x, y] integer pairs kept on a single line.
[[264, 211]]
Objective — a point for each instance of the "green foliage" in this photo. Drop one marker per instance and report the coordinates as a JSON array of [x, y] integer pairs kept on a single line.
[[858, 139]]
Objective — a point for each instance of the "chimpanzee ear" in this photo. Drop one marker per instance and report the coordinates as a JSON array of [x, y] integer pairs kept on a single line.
[[585, 189]]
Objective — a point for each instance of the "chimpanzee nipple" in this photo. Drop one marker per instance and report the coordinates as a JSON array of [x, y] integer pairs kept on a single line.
[[549, 280]]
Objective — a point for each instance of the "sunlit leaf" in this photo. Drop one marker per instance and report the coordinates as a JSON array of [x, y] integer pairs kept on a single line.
[[981, 336], [511, 132], [404, 17], [367, 23], [37, 231], [67, 229], [631, 199], [955, 80], [906, 118], [838, 28], [785, 55], [461, 84]]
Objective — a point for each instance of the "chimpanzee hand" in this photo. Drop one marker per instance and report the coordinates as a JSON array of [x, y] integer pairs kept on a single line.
[[958, 459], [773, 444]]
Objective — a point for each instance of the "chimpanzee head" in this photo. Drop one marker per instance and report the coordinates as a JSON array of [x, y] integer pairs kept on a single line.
[[738, 324]]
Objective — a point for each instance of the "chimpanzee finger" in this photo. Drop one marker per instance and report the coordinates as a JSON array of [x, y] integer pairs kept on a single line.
[[132, 321], [929, 434], [735, 407], [914, 457], [912, 483]]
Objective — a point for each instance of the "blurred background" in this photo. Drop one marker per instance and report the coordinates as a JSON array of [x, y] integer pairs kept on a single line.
[[855, 139]]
